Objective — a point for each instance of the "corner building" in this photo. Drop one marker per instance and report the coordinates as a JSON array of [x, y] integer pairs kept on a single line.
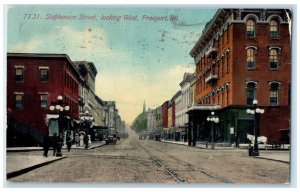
[[34, 80], [242, 55]]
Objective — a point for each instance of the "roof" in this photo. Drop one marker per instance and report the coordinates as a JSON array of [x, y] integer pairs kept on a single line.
[[44, 55]]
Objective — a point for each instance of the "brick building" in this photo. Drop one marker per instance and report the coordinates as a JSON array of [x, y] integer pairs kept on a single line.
[[242, 55], [33, 82]]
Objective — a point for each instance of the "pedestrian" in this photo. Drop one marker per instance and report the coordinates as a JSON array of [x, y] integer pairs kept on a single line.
[[46, 145], [54, 143], [77, 139], [69, 142], [81, 143], [86, 141]]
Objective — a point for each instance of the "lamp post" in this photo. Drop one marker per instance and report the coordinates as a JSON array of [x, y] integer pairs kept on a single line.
[[87, 120], [256, 111], [214, 119], [61, 108]]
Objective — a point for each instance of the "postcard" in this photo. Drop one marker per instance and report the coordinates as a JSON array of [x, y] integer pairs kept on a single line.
[[107, 95]]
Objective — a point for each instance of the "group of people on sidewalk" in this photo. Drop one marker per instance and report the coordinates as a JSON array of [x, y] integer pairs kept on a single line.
[[57, 143]]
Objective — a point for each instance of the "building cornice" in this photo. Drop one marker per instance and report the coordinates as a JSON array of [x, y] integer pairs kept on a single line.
[[46, 56]]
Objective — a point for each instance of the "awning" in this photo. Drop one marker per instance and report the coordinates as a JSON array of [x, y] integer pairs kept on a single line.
[[202, 108]]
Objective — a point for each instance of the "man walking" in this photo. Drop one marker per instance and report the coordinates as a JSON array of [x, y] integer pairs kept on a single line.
[[46, 145], [69, 142]]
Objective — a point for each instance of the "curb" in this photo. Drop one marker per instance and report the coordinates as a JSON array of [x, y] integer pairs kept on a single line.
[[201, 147], [25, 170], [8, 150], [21, 150], [282, 161], [96, 146]]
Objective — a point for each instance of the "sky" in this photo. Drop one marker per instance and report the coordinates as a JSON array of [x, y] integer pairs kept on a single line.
[[137, 60]]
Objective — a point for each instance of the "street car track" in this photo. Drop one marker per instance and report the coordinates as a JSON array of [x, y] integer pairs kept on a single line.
[[192, 167], [167, 169]]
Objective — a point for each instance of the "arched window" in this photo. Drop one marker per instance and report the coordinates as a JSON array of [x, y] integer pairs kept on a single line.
[[250, 58], [273, 55], [250, 28], [274, 29], [251, 91], [274, 88]]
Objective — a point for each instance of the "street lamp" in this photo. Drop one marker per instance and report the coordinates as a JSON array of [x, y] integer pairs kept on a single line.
[[214, 119], [256, 111], [87, 120], [61, 108]]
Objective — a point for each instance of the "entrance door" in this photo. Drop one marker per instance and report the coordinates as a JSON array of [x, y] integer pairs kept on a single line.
[[244, 126]]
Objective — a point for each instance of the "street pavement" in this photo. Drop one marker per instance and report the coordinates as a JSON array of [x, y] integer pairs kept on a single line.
[[30, 162]]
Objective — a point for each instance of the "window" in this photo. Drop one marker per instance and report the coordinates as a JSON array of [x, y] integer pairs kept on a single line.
[[250, 58], [273, 54], [19, 74], [274, 94], [250, 92], [44, 100], [250, 28], [43, 74], [274, 29], [19, 101]]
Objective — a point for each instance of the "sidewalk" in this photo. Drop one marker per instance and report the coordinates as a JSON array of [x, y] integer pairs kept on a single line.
[[19, 164], [274, 155]]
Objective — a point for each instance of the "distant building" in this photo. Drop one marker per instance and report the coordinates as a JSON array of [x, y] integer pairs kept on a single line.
[[110, 117], [165, 124], [186, 101], [151, 120], [176, 119], [34, 81], [242, 55], [91, 103]]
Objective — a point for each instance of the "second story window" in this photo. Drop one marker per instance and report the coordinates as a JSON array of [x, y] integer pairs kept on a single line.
[[19, 100], [251, 91], [250, 58], [273, 55], [44, 100], [19, 75], [250, 28], [274, 94], [274, 29], [43, 74]]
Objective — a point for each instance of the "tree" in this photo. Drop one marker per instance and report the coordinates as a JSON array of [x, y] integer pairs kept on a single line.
[[140, 122]]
